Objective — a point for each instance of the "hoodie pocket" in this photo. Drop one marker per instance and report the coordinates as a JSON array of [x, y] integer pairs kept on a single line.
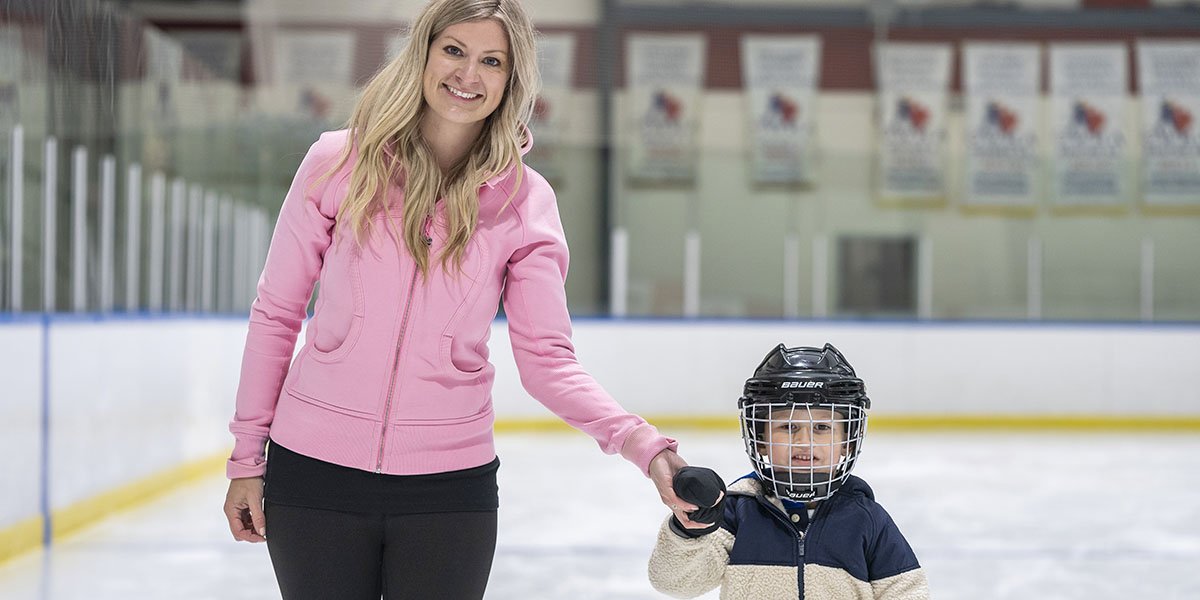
[[338, 318]]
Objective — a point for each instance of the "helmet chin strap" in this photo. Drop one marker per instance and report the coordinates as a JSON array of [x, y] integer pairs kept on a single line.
[[803, 487]]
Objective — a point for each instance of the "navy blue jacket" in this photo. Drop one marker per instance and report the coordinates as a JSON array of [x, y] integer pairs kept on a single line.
[[768, 549]]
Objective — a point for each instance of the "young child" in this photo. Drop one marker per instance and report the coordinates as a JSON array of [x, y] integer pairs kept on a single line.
[[799, 526]]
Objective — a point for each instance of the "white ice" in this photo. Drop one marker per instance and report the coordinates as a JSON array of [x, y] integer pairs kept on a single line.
[[1045, 515]]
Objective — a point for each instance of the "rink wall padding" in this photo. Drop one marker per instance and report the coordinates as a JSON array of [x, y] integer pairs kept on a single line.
[[100, 413]]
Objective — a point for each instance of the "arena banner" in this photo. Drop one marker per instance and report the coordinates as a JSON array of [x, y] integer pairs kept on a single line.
[[780, 77], [1169, 81], [551, 122], [664, 75], [1091, 164], [912, 81], [314, 71], [1002, 84]]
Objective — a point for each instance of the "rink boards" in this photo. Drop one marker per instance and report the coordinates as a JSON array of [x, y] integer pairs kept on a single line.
[[102, 412]]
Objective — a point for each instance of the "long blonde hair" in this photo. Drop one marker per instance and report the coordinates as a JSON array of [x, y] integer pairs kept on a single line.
[[385, 132]]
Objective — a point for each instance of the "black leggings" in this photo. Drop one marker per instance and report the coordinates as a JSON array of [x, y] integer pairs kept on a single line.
[[361, 556]]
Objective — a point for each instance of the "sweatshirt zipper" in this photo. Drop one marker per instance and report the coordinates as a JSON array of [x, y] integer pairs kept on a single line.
[[387, 407]]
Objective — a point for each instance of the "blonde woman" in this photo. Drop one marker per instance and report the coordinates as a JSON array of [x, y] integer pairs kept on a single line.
[[416, 221]]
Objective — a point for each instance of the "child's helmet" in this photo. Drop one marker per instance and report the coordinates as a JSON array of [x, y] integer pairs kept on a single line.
[[796, 402]]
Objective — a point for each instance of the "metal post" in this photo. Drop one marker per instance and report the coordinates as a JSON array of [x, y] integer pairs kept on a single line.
[[17, 214], [194, 215], [79, 166], [154, 271], [239, 256], [108, 204], [175, 262], [225, 256], [50, 226], [133, 236], [691, 274], [208, 251], [925, 278], [1147, 280], [618, 301]]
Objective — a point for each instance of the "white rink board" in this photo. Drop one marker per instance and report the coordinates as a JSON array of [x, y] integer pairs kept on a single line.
[[133, 397], [130, 397], [20, 420], [682, 368]]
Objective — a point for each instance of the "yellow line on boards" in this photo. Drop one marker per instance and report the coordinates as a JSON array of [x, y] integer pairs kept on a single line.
[[69, 519], [16, 539], [27, 535]]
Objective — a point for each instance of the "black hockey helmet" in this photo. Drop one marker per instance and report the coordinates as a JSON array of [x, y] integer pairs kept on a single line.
[[806, 407]]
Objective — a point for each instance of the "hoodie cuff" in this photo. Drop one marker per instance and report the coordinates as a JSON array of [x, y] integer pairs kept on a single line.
[[247, 458], [644, 444]]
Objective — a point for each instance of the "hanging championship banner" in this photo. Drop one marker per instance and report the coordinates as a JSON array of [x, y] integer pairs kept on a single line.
[[664, 73], [551, 114], [912, 80], [1002, 85], [1169, 80], [780, 77], [1088, 83]]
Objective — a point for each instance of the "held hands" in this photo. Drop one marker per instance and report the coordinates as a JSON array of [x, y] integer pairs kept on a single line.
[[704, 488], [243, 509], [663, 469]]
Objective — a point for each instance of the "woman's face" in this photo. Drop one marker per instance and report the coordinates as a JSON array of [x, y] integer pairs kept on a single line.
[[467, 72], [805, 438]]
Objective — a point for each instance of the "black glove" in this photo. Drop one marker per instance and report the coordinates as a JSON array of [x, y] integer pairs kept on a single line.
[[703, 487]]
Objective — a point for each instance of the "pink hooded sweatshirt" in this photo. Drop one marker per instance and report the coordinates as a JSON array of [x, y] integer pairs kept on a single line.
[[394, 375]]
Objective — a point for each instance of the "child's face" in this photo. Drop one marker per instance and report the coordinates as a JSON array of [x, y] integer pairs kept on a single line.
[[804, 438]]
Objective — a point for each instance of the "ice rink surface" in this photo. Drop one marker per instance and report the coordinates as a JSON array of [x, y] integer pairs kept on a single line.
[[1046, 515]]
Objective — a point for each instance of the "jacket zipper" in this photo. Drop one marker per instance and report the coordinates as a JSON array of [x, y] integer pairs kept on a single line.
[[800, 536], [387, 407]]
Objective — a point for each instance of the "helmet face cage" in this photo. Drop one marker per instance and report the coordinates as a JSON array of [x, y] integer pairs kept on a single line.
[[803, 449]]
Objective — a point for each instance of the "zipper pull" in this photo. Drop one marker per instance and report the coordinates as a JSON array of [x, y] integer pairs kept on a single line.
[[425, 230]]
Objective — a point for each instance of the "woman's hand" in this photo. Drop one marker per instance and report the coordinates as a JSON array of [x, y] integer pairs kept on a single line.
[[244, 509], [662, 470]]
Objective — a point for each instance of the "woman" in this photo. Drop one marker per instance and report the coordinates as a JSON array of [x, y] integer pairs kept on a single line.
[[416, 221]]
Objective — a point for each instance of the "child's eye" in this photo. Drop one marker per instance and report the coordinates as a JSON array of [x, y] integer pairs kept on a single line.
[[453, 50], [491, 61], [822, 427]]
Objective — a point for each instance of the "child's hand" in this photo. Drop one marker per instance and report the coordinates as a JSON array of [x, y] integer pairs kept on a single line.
[[703, 487]]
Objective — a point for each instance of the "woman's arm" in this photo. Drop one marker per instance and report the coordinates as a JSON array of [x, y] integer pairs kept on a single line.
[[539, 326], [294, 260]]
